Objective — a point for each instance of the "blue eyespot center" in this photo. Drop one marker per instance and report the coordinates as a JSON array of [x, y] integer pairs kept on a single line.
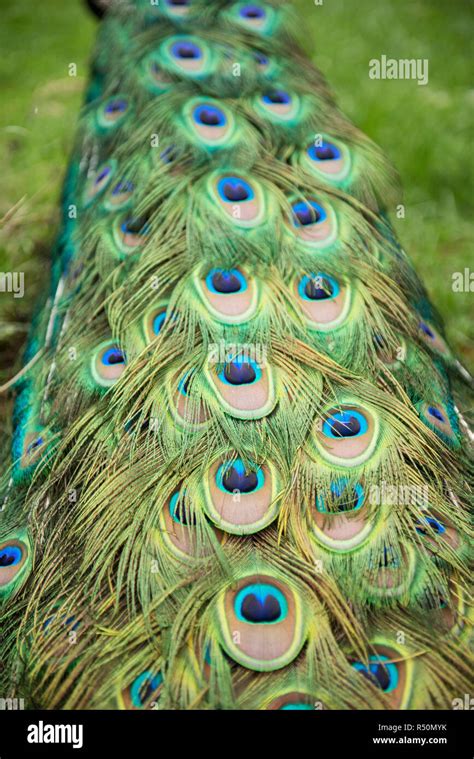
[[234, 190], [34, 445], [252, 11], [327, 151], [261, 603], [318, 286], [116, 106], [138, 226], [226, 282], [122, 187], [240, 372], [342, 498], [436, 414], [262, 59], [103, 175], [10, 556], [277, 97], [158, 322], [380, 671], [344, 424], [307, 212], [113, 356], [143, 687], [186, 50], [235, 477], [179, 510], [209, 115], [427, 330], [427, 524]]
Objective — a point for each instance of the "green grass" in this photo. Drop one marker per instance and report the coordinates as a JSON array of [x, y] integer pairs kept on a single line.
[[424, 130]]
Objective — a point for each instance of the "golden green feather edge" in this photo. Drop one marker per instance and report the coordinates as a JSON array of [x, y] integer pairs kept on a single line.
[[241, 470]]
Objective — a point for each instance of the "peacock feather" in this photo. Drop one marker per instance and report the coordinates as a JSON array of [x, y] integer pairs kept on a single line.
[[240, 469]]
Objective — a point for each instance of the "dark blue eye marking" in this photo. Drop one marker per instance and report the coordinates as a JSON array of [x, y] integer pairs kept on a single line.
[[307, 212], [178, 2], [226, 282], [436, 413], [113, 356], [234, 190], [169, 154], [34, 445], [318, 287], [343, 424], [261, 603], [344, 497], [103, 174], [10, 556], [138, 226], [116, 106], [277, 97], [234, 476], [427, 331], [261, 59], [380, 671], [426, 524], [327, 151], [183, 385], [240, 371], [143, 687], [186, 50], [209, 115], [179, 512], [252, 11], [158, 322], [122, 186]]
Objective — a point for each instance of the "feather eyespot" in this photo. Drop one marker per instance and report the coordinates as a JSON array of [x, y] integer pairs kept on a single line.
[[144, 690], [279, 105], [108, 364], [113, 112], [437, 418], [212, 123], [188, 55], [240, 371], [99, 182], [329, 160], [245, 388], [313, 223], [256, 17], [177, 8], [265, 616], [343, 498], [340, 518], [178, 521], [431, 337], [13, 556], [229, 295], [347, 435], [240, 498], [132, 232], [119, 195], [325, 302], [226, 281], [389, 671], [240, 199], [34, 447], [154, 321], [380, 672]]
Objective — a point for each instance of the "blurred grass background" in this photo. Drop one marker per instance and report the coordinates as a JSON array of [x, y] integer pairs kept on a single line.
[[426, 131]]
